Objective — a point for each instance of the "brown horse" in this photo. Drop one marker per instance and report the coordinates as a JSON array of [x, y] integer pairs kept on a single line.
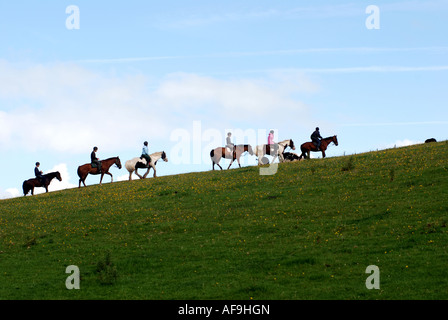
[[307, 147], [84, 170], [30, 184], [218, 153]]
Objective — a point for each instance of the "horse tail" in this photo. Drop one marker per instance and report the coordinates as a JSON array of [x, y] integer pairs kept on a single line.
[[25, 187], [304, 151], [79, 172], [212, 156]]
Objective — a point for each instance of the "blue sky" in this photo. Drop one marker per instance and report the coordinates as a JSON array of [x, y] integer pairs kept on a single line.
[[181, 74]]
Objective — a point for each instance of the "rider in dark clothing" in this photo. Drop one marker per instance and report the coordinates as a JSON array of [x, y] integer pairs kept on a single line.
[[315, 137], [95, 160], [38, 174], [145, 153]]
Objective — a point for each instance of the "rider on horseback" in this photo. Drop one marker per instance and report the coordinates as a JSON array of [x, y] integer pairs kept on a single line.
[[272, 144], [38, 174], [315, 137], [230, 145], [94, 160], [145, 153]]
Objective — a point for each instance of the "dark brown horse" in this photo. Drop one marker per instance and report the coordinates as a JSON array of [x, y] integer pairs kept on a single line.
[[218, 153], [84, 170], [307, 147], [30, 184]]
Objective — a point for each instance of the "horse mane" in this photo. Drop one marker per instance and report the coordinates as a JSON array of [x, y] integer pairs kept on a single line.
[[329, 138], [110, 158], [284, 141], [51, 174], [157, 153]]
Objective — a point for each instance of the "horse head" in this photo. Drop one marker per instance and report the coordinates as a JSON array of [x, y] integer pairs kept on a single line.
[[291, 145], [118, 162], [58, 176], [164, 157], [287, 143], [335, 140]]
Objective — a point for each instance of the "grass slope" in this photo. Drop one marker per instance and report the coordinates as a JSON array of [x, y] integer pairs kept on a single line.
[[307, 232]]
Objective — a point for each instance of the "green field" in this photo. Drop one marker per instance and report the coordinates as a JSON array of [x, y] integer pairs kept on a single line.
[[307, 232]]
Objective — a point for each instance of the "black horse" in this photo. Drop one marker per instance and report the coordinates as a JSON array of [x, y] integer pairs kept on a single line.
[[29, 185]]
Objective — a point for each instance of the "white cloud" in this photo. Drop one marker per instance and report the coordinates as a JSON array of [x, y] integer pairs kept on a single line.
[[65, 183], [68, 108], [237, 99], [125, 177], [9, 193], [403, 143]]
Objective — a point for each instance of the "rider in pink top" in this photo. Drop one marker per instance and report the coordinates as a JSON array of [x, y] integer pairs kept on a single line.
[[271, 137]]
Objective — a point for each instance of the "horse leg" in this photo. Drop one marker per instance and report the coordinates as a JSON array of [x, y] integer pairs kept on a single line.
[[130, 176], [146, 173], [155, 172], [138, 174], [217, 163], [111, 176], [230, 164], [82, 180], [280, 157]]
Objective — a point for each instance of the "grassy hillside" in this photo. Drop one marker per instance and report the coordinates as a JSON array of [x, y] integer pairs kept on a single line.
[[307, 232]]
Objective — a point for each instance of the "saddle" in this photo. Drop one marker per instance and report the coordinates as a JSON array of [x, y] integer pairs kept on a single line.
[[227, 150], [141, 164], [314, 142], [95, 165], [271, 149]]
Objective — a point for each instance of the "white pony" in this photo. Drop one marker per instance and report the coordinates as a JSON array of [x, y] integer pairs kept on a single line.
[[137, 163], [263, 149]]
